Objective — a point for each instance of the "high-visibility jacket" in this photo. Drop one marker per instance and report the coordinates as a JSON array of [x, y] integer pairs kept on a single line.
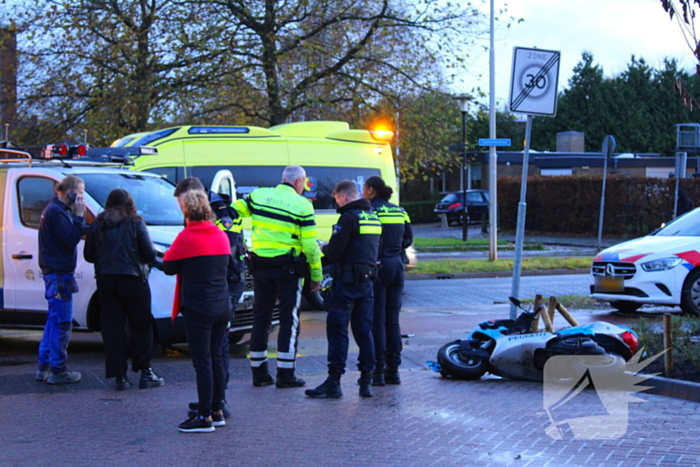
[[231, 223], [282, 221], [397, 234]]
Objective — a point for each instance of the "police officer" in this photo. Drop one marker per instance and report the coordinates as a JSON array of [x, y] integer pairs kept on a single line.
[[284, 247], [397, 235], [352, 253]]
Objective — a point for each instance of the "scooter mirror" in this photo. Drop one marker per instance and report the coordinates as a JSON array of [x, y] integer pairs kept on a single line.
[[514, 301]]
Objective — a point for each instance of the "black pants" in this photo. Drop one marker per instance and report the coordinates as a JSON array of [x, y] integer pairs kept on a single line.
[[234, 291], [205, 335], [271, 285], [125, 300], [386, 331], [353, 304]]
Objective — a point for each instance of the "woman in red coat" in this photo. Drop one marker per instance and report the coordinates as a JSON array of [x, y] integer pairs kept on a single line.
[[199, 256]]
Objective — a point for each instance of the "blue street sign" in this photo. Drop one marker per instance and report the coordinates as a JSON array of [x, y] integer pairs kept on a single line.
[[494, 142]]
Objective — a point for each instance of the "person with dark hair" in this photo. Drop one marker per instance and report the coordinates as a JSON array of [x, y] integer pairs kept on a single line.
[[119, 245], [397, 235], [60, 230], [352, 254], [199, 256]]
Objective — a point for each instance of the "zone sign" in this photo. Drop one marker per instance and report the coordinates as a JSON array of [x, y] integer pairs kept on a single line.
[[533, 81]]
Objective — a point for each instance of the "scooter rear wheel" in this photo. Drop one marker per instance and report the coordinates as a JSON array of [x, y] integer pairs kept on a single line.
[[459, 363]]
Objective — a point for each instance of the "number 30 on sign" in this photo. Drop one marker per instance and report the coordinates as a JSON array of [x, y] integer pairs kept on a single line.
[[533, 82]]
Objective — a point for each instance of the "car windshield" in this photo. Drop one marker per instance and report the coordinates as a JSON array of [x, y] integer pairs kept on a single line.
[[687, 225], [153, 196]]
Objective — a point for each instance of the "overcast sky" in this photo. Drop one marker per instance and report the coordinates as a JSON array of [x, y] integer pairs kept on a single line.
[[612, 30]]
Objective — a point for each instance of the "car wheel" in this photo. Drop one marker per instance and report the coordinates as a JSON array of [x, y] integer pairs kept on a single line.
[[690, 296], [317, 300], [625, 306], [460, 364]]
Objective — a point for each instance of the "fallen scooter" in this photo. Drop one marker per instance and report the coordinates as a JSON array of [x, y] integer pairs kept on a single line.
[[507, 348]]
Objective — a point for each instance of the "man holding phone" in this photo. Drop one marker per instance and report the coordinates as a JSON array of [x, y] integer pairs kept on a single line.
[[60, 230]]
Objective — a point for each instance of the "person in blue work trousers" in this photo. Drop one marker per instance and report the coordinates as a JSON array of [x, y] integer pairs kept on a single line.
[[397, 235], [352, 254], [284, 250], [60, 230]]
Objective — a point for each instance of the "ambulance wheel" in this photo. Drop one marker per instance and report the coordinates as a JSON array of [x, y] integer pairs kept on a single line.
[[690, 296], [459, 363]]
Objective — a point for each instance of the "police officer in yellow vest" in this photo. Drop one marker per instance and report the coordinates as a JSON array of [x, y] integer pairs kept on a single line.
[[352, 253], [284, 248]]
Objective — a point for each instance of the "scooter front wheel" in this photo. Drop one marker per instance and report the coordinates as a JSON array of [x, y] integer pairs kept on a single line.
[[459, 363]]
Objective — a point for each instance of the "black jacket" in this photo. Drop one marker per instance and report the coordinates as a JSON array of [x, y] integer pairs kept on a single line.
[[60, 232], [204, 289], [397, 234], [347, 244], [124, 247]]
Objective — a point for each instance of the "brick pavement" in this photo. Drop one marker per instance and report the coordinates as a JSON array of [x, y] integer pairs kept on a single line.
[[424, 422]]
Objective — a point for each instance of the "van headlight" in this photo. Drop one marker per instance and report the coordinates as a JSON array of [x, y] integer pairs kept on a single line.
[[662, 264]]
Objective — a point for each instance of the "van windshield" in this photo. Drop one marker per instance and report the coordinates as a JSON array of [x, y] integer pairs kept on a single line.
[[153, 196]]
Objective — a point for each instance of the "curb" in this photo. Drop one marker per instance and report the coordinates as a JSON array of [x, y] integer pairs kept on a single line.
[[494, 274], [676, 388]]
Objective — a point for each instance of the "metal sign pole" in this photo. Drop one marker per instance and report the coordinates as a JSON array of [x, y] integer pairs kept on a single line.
[[520, 228], [493, 157], [608, 150]]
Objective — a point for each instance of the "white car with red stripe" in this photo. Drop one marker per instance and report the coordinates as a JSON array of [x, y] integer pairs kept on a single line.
[[662, 268]]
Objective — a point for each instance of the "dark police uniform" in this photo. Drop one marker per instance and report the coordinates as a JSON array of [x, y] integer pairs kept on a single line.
[[352, 253], [228, 220], [397, 235]]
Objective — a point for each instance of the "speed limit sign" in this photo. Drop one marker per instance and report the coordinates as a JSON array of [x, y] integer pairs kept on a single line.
[[533, 81]]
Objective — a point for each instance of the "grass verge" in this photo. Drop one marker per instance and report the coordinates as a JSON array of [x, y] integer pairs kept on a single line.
[[456, 266], [425, 244]]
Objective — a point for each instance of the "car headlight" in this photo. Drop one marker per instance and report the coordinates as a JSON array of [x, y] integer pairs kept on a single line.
[[662, 264]]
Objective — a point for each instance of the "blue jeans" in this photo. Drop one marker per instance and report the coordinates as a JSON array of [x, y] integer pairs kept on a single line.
[[53, 349], [350, 303]]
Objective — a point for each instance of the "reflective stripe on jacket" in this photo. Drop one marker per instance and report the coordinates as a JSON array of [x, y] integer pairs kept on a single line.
[[282, 221]]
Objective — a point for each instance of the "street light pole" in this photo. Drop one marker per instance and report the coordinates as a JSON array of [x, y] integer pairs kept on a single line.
[[464, 107]]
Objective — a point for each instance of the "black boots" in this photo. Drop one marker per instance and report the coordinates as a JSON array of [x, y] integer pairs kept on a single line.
[[378, 378], [121, 383], [392, 376], [330, 389], [366, 384], [149, 379], [286, 379], [261, 376]]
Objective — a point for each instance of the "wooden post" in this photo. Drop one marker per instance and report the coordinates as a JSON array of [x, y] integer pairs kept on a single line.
[[567, 316], [536, 323], [668, 344], [552, 308], [547, 322]]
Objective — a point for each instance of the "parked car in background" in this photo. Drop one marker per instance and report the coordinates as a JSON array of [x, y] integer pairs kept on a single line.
[[452, 206], [662, 268]]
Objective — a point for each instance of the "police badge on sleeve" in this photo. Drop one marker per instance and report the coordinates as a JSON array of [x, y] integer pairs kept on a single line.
[[336, 229]]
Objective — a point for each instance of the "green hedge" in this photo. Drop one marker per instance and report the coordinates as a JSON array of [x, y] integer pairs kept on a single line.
[[634, 206], [421, 212]]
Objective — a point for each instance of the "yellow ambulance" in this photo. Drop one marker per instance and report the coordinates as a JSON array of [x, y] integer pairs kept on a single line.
[[328, 151]]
